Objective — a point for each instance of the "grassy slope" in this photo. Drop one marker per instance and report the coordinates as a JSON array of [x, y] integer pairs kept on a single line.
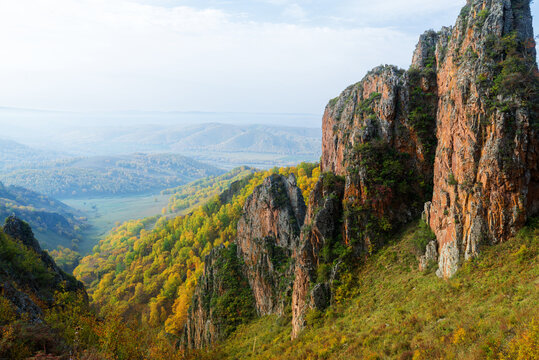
[[104, 213], [398, 312]]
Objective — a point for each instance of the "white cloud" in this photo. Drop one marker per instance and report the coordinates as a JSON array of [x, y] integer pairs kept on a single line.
[[400, 11], [119, 54], [294, 11]]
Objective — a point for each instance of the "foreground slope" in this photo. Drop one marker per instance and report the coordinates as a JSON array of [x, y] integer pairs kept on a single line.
[[30, 283], [390, 310]]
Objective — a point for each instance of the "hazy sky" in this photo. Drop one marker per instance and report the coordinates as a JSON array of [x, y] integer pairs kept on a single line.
[[207, 55]]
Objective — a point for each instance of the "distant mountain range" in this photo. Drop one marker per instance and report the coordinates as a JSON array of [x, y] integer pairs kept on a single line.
[[222, 145], [228, 138], [109, 175]]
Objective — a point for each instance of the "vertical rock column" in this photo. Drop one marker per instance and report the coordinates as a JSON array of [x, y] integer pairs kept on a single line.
[[486, 165]]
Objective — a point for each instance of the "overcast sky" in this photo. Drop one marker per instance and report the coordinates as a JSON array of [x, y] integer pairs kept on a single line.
[[203, 55]]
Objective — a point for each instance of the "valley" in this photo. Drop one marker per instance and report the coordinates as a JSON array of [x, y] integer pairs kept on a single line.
[[406, 227], [104, 213]]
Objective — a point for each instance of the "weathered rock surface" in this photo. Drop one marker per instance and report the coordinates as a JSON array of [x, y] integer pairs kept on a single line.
[[268, 239], [323, 228], [223, 288], [486, 177], [255, 274], [430, 256]]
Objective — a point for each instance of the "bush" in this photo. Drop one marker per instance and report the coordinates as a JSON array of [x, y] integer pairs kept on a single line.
[[422, 237]]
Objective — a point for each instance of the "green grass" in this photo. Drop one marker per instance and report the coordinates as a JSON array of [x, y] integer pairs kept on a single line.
[[104, 212], [398, 312]]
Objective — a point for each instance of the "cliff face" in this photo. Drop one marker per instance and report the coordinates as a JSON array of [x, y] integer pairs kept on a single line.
[[475, 87], [486, 168], [377, 137], [222, 300], [255, 274], [268, 238]]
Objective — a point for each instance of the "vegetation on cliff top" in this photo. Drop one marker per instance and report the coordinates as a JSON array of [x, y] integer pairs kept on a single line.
[[196, 192]]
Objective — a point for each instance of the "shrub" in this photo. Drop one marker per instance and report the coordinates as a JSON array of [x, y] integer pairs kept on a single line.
[[422, 237], [451, 180], [524, 346]]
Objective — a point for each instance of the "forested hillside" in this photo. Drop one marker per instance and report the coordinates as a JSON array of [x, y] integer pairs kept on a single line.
[[148, 272], [14, 155], [54, 222], [196, 192], [109, 175]]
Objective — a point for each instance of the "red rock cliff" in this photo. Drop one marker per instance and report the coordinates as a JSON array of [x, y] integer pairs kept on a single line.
[[253, 276], [464, 117], [268, 237], [486, 179]]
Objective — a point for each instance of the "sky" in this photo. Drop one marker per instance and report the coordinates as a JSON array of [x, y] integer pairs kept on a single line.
[[263, 56]]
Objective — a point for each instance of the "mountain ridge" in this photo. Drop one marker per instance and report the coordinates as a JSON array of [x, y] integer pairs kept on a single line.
[[382, 166]]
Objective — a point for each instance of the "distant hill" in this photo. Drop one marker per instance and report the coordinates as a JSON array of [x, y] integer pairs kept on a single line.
[[54, 222], [219, 144], [109, 175], [235, 138], [223, 145], [14, 155]]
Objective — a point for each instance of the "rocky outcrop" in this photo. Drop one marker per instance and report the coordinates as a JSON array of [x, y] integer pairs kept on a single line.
[[473, 85], [268, 239], [21, 231], [222, 300], [486, 175], [321, 235], [30, 285], [255, 274]]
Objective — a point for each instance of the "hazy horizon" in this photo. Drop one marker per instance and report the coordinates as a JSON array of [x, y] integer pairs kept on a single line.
[[264, 56], [75, 65]]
